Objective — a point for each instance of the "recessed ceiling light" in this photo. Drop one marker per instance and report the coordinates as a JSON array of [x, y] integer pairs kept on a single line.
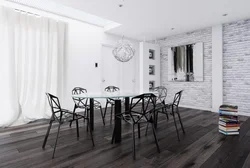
[[121, 3], [172, 28], [224, 14]]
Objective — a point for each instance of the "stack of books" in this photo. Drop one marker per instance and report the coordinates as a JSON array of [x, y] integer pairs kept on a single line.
[[229, 123]]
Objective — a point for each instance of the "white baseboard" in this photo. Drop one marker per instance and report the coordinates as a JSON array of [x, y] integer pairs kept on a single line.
[[244, 114], [198, 108], [212, 110]]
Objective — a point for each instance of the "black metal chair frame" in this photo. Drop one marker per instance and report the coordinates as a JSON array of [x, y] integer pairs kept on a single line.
[[110, 101], [162, 94], [60, 115], [145, 115], [174, 109], [82, 103]]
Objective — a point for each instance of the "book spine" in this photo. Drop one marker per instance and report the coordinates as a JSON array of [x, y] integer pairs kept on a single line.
[[230, 133], [228, 109], [228, 125], [229, 128], [228, 113]]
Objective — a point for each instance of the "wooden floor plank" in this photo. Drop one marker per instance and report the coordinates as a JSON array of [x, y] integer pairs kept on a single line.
[[247, 162], [201, 146], [227, 147]]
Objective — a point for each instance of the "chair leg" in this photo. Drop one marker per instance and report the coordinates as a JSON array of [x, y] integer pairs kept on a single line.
[[56, 140], [85, 114], [47, 134], [133, 132], [70, 123], [105, 109], [91, 134], [166, 112], [181, 123], [87, 124], [113, 136], [111, 114], [156, 140], [139, 130], [77, 128], [146, 133], [176, 126], [73, 116], [156, 119], [103, 120]]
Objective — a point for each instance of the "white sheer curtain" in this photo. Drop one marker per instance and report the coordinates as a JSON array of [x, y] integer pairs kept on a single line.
[[31, 63]]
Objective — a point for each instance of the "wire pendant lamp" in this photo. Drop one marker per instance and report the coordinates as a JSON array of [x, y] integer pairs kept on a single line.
[[123, 51]]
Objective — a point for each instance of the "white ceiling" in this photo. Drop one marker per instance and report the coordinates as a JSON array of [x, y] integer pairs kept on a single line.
[[153, 19], [59, 9]]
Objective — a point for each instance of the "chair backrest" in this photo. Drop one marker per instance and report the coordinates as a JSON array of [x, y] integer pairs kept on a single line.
[[111, 89], [143, 106], [78, 90], [162, 93], [79, 102], [54, 105], [177, 98]]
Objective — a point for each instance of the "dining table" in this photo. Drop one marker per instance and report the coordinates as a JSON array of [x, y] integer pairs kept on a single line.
[[116, 96]]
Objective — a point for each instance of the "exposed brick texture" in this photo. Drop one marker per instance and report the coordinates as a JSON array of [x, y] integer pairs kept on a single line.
[[236, 64], [196, 94]]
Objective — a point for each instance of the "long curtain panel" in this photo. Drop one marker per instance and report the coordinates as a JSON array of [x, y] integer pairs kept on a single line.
[[31, 63]]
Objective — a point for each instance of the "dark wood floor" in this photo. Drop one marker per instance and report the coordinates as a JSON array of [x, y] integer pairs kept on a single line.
[[202, 146]]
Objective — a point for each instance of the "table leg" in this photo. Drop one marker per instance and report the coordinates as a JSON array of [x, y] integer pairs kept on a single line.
[[127, 107], [126, 103], [91, 115], [118, 123]]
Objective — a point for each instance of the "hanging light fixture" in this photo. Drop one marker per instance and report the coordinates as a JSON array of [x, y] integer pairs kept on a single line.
[[123, 51]]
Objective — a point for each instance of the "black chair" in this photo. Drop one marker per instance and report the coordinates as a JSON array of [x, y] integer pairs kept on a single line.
[[160, 100], [82, 103], [110, 100], [175, 109], [61, 115], [142, 110]]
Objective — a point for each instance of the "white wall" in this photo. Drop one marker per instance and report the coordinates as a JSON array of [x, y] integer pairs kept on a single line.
[[236, 65], [85, 44], [83, 49], [226, 67], [195, 94]]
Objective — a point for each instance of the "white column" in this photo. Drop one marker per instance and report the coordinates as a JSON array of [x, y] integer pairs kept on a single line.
[[217, 67], [144, 66]]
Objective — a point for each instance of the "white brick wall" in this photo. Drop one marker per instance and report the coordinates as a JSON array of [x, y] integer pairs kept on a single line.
[[236, 68], [196, 94]]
